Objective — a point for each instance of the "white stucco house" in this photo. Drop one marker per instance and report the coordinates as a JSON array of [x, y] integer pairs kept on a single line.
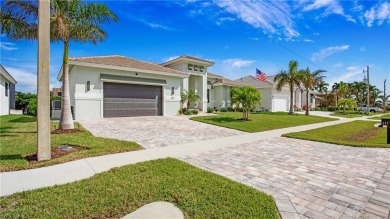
[[274, 100], [7, 91], [118, 86]]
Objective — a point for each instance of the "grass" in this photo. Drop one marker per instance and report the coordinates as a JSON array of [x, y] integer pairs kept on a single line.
[[113, 194], [351, 114], [260, 121], [356, 134], [18, 138], [387, 116]]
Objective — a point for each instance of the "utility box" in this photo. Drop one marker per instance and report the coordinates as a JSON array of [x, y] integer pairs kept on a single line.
[[55, 109]]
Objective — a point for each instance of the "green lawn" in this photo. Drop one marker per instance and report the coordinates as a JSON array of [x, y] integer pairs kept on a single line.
[[387, 116], [356, 133], [351, 114], [18, 139], [260, 121], [113, 194]]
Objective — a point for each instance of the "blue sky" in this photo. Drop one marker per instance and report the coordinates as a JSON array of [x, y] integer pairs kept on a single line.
[[341, 37]]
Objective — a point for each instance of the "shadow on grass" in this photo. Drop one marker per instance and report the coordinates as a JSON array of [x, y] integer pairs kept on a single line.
[[272, 113], [224, 119], [24, 119], [11, 157]]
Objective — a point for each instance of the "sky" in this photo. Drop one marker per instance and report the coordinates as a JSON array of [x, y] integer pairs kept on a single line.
[[341, 37]]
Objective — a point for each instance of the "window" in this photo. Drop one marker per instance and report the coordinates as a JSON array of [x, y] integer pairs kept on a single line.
[[196, 67], [201, 68], [6, 89], [190, 67]]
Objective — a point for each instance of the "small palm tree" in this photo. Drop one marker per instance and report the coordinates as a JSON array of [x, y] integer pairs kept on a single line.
[[289, 78], [309, 80], [190, 97], [245, 97], [71, 20]]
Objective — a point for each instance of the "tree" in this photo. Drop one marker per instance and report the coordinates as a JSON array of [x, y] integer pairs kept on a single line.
[[309, 80], [289, 78], [347, 103], [383, 101], [246, 97], [322, 87], [190, 97], [70, 21]]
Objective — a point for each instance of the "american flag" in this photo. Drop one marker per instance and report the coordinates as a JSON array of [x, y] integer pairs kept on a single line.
[[261, 76]]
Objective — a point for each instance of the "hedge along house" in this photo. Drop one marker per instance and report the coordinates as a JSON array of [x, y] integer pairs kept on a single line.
[[7, 91], [118, 86], [274, 100]]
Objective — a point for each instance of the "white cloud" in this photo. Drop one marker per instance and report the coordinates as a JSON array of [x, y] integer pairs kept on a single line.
[[223, 19], [236, 63], [316, 34], [379, 13], [253, 38], [362, 49], [308, 41], [7, 46], [329, 6], [155, 25], [353, 73], [328, 51], [27, 80], [271, 16], [170, 58]]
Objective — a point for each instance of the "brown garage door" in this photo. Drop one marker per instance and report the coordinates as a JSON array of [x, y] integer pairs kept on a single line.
[[123, 100]]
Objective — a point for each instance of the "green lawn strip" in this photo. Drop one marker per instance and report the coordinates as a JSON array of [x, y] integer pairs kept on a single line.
[[356, 134], [260, 121], [113, 194], [18, 138], [387, 116], [349, 115]]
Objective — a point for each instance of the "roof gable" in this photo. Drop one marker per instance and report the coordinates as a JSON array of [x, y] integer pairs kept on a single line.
[[126, 63], [7, 75], [250, 80]]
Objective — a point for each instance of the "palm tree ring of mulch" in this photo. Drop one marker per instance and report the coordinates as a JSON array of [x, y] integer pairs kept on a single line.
[[57, 151], [66, 131]]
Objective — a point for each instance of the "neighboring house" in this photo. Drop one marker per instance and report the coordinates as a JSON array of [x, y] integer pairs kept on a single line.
[[7, 91], [56, 91], [274, 100]]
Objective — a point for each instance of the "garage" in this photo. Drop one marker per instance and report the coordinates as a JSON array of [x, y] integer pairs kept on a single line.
[[126, 100], [279, 105]]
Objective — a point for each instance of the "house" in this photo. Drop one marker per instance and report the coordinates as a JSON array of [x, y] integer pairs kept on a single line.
[[274, 100], [7, 91], [56, 91]]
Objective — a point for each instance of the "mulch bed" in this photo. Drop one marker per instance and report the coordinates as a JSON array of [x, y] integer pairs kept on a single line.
[[66, 131], [56, 152]]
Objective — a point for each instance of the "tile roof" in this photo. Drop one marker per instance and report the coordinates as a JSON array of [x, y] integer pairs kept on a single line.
[[186, 57], [122, 61], [225, 81], [250, 80]]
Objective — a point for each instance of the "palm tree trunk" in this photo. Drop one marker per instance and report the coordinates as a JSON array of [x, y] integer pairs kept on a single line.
[[291, 112], [66, 121], [307, 102]]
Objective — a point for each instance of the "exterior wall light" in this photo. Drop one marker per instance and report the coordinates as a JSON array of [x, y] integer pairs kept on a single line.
[[88, 85], [173, 91]]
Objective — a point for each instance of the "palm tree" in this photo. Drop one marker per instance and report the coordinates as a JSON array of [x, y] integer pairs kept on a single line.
[[289, 78], [191, 97], [322, 86], [70, 21], [309, 80]]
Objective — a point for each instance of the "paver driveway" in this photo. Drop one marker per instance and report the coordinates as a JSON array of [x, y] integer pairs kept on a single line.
[[309, 179], [156, 131]]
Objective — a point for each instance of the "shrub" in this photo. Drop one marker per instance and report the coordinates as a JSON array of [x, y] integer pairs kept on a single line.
[[230, 109], [318, 108], [195, 112], [332, 108], [210, 110], [223, 110], [32, 107]]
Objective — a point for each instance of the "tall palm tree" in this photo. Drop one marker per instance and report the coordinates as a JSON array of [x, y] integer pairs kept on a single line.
[[289, 78], [322, 86], [70, 21], [309, 81]]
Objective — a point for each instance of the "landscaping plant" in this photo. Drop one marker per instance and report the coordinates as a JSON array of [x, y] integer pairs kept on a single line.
[[245, 98]]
